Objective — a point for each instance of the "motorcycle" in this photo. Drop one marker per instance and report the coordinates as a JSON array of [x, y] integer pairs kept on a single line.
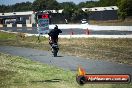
[[54, 47]]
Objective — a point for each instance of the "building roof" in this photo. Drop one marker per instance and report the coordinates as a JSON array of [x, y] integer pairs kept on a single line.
[[55, 11], [60, 11], [27, 12], [100, 8], [16, 13]]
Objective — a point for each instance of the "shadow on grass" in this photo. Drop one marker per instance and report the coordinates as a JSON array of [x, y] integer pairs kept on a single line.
[[48, 81]]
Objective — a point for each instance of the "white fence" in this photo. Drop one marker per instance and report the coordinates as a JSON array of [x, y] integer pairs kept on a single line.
[[78, 26]]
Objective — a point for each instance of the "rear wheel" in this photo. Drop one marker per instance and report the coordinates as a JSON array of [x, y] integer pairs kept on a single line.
[[55, 52]]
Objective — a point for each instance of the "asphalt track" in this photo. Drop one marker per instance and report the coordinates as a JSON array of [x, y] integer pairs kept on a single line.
[[69, 62], [76, 31]]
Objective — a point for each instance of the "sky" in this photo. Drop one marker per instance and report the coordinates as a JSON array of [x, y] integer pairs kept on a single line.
[[9, 2]]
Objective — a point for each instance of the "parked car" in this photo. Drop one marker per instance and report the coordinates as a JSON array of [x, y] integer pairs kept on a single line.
[[84, 21]]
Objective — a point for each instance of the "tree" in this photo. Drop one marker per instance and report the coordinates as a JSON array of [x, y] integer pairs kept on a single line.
[[129, 8], [67, 12], [69, 8], [78, 15], [24, 6], [4, 8], [125, 8], [81, 5], [88, 4], [40, 5], [107, 2]]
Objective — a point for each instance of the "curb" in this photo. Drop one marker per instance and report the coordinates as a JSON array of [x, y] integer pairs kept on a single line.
[[78, 36]]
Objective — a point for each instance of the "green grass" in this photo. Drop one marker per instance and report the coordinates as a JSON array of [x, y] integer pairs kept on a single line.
[[19, 72], [113, 50], [8, 36]]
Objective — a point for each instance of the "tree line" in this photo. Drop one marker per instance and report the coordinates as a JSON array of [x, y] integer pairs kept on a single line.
[[71, 10]]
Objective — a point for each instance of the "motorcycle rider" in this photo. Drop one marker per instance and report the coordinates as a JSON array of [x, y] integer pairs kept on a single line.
[[53, 35]]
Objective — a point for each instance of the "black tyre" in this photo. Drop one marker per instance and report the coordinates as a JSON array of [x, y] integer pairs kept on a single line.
[[81, 80], [55, 53]]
